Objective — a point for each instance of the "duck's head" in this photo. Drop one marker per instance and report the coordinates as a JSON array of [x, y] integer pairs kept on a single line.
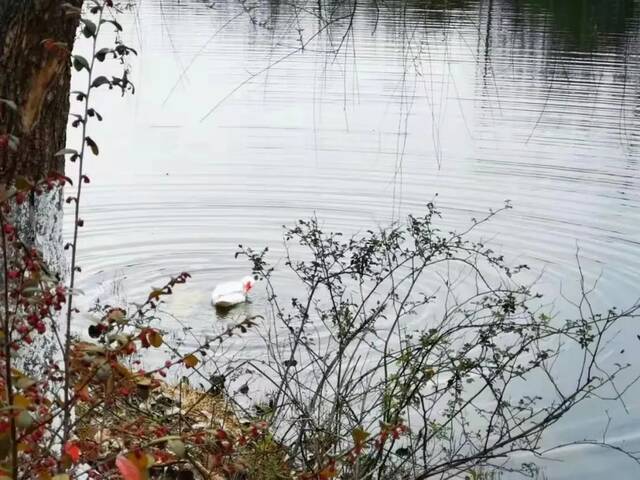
[[247, 284]]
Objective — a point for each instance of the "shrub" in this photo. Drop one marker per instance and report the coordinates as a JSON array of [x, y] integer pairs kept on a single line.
[[408, 354]]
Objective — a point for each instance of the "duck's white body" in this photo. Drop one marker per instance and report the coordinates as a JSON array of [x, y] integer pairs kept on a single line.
[[229, 294]]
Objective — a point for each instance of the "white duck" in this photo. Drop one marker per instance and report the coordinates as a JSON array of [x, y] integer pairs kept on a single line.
[[229, 294]]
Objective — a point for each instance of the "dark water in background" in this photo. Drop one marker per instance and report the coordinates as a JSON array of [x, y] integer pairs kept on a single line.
[[234, 131]]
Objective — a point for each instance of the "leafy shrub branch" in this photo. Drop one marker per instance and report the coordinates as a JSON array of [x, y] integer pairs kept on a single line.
[[426, 334]]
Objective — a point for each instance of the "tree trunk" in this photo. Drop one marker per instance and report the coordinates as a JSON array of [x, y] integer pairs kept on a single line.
[[36, 38], [35, 74]]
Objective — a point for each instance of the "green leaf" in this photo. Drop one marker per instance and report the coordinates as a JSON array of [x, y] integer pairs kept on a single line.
[[96, 5], [177, 447], [9, 103], [92, 113], [92, 145], [403, 452], [89, 29], [66, 151], [114, 23], [102, 54], [101, 80], [80, 96], [24, 383], [122, 50], [79, 62]]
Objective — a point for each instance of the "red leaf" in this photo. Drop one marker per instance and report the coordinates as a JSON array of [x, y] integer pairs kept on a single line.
[[73, 451], [127, 468], [144, 340]]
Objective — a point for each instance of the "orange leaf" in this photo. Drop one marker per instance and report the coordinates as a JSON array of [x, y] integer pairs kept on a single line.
[[21, 401], [155, 338], [122, 370], [359, 435], [328, 472], [83, 394], [190, 361], [141, 460], [127, 469], [155, 294]]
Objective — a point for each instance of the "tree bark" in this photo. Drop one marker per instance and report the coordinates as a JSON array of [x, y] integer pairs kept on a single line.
[[36, 77], [36, 40]]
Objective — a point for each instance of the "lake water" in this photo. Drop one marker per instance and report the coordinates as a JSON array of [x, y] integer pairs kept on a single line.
[[235, 130]]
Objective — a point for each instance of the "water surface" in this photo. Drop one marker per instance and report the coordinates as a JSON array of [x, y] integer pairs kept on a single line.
[[245, 121]]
